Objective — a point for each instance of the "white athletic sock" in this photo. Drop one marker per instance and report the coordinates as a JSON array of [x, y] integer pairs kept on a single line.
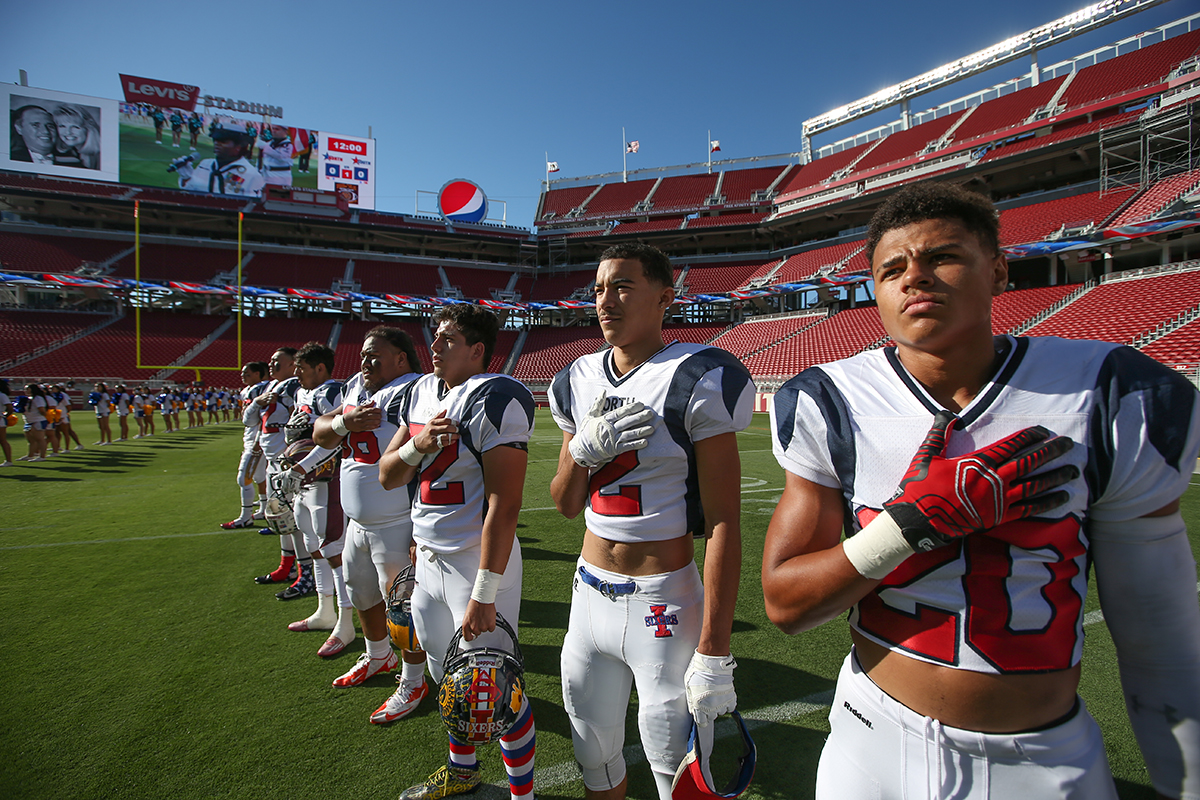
[[412, 673], [326, 614], [344, 629], [262, 504], [339, 587], [379, 649], [324, 578]]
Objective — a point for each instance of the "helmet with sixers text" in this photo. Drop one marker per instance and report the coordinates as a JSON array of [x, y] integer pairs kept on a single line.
[[483, 689], [399, 610], [693, 779]]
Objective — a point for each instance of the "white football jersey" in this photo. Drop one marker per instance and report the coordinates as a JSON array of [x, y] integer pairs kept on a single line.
[[276, 415], [696, 392], [1011, 599], [363, 499], [246, 395], [490, 411]]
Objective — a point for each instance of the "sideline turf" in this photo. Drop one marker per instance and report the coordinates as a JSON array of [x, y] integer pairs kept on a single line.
[[140, 660]]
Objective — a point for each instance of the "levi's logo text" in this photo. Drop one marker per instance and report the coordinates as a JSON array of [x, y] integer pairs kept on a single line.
[[343, 146], [659, 619]]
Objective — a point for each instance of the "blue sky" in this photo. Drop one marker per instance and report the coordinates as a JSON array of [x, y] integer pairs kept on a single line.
[[482, 90]]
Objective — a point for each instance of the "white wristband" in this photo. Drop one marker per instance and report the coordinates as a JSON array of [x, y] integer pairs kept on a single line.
[[339, 426], [409, 453], [878, 548], [487, 583]]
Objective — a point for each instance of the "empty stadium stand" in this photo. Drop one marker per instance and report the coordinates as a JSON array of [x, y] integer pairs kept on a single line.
[[282, 270], [477, 284], [161, 262], [683, 192], [23, 332], [560, 287], [1033, 223], [745, 218], [838, 336], [1013, 308], [739, 186], [21, 252], [1144, 67], [547, 350], [1122, 310], [806, 264], [348, 359], [821, 169], [714, 278], [664, 224], [559, 202], [393, 277], [111, 351], [1007, 111], [903, 144], [617, 199], [1158, 197], [261, 336], [1179, 349], [697, 333]]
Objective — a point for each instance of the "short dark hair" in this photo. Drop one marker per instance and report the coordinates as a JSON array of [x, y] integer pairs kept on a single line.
[[314, 353], [398, 339], [932, 200], [260, 367], [655, 264], [19, 114], [290, 352], [477, 323]]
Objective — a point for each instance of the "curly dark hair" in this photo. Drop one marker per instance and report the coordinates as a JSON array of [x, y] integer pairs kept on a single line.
[[655, 264], [477, 323], [930, 200]]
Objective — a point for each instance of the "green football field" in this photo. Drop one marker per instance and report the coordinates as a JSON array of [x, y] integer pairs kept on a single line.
[[144, 161], [140, 660]]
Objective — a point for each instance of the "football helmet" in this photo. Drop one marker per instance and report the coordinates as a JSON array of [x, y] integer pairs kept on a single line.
[[482, 692], [295, 452], [280, 517], [299, 426], [399, 610], [693, 779]]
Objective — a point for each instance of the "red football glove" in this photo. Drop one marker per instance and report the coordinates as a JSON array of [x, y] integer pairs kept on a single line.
[[941, 499]]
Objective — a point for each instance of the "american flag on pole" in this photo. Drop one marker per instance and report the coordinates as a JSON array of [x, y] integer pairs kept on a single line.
[[632, 147], [551, 166]]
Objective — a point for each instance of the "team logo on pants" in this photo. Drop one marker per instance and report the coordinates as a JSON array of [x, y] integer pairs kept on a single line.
[[659, 619]]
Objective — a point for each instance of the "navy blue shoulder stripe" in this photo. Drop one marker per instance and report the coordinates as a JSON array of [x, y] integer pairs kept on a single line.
[[560, 387], [839, 432], [1168, 400]]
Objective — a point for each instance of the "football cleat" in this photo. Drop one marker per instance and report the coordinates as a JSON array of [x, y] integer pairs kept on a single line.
[[403, 701], [237, 523], [304, 586], [333, 645], [365, 667], [278, 576], [445, 782]]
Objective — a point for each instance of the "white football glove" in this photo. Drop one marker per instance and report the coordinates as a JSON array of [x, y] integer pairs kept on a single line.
[[602, 437], [709, 684], [290, 483]]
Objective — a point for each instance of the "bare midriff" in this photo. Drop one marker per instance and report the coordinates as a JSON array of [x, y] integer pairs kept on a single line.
[[976, 701], [638, 558]]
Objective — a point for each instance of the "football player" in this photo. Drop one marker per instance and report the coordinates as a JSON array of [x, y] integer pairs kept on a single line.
[[317, 504], [229, 171], [967, 565], [270, 412], [649, 454], [252, 467], [379, 532], [101, 400], [275, 152], [464, 437]]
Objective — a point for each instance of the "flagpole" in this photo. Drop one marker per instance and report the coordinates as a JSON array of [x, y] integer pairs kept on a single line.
[[547, 170], [709, 143], [624, 157]]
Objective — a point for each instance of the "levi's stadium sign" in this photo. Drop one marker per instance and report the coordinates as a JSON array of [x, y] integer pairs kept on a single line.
[[159, 93]]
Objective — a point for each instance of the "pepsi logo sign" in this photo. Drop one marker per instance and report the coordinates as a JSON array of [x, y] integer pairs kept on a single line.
[[461, 200]]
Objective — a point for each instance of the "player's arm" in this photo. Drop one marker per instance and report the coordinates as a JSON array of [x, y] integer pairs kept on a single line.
[[718, 467], [569, 487], [503, 485], [806, 577], [1146, 581]]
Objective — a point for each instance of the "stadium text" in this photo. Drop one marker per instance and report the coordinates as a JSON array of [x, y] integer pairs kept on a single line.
[[242, 106]]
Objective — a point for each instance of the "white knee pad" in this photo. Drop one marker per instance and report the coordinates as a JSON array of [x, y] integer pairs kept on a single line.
[[607, 775]]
